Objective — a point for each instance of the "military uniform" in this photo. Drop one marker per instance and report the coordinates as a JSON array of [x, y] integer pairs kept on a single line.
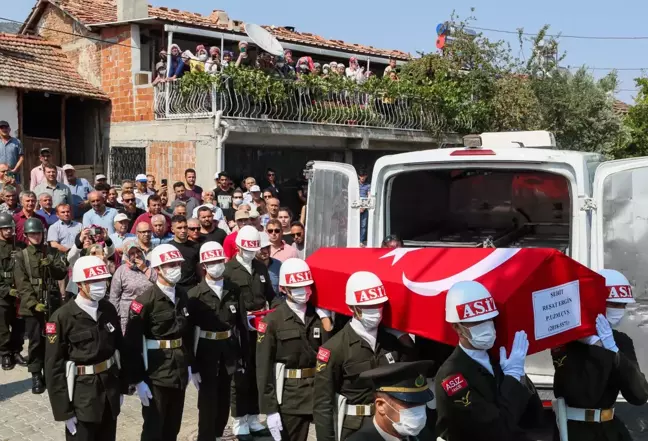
[[74, 336], [219, 351], [11, 326], [165, 326], [591, 377], [475, 405], [339, 363], [257, 294], [283, 338], [35, 272]]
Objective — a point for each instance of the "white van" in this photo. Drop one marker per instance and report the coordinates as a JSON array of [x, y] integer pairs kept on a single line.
[[514, 190]]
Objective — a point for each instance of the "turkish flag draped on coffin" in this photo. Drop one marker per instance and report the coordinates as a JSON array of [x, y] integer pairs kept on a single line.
[[541, 291]]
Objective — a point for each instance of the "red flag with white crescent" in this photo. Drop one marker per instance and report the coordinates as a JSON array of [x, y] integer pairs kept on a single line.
[[549, 295]]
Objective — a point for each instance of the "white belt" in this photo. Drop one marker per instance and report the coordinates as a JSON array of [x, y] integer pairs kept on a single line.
[[216, 335], [359, 410], [590, 415], [96, 368], [163, 344]]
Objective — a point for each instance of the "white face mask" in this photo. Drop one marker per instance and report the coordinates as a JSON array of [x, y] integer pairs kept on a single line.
[[482, 336], [173, 275], [97, 290], [371, 317], [300, 295], [614, 315], [248, 256], [215, 270], [412, 420]]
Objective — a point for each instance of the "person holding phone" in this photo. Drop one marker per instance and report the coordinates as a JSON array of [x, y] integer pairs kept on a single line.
[[7, 177]]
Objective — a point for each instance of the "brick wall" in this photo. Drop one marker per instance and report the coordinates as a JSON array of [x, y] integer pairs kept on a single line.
[[169, 160]]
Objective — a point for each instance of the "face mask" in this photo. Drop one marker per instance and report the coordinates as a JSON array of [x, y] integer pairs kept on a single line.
[[202, 57], [614, 315], [248, 256], [97, 290], [412, 420], [216, 270], [173, 274], [482, 336], [280, 65], [371, 317], [591, 340], [300, 295]]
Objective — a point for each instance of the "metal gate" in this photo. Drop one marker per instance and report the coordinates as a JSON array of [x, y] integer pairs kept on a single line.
[[126, 163]]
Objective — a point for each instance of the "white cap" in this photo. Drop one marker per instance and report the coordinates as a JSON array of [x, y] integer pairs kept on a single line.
[[364, 289], [248, 238], [295, 273], [253, 213], [265, 239], [469, 301], [211, 252], [68, 167], [89, 268], [121, 217], [141, 177], [255, 188], [619, 288], [98, 177], [165, 253]]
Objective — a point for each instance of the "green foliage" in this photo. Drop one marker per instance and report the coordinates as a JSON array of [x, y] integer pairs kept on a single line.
[[637, 123]]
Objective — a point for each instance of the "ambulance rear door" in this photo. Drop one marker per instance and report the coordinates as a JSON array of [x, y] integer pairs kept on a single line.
[[620, 238], [333, 206]]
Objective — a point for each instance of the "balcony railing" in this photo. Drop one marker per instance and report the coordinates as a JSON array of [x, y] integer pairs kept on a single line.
[[300, 105]]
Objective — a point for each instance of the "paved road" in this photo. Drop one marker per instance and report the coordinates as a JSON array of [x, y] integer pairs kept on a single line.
[[27, 417]]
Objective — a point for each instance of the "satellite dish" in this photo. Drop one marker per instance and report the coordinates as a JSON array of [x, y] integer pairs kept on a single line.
[[264, 39]]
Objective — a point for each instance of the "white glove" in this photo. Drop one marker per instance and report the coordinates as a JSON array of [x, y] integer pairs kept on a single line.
[[144, 393], [323, 313], [514, 364], [275, 426], [71, 425], [195, 379], [604, 331], [121, 400]]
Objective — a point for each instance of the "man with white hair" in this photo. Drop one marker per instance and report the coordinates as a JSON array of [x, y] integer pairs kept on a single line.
[[160, 233]]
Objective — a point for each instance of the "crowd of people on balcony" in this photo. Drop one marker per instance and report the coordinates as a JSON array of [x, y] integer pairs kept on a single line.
[[211, 60]]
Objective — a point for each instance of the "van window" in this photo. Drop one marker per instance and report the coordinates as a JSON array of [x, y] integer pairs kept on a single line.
[[480, 208]]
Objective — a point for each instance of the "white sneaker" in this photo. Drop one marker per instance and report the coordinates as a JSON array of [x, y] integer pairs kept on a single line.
[[240, 426]]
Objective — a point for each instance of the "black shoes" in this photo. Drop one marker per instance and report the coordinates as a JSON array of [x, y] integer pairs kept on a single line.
[[8, 362], [19, 359], [260, 433], [38, 383]]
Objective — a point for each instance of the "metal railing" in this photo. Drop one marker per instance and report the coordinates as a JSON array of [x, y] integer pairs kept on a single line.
[[299, 104]]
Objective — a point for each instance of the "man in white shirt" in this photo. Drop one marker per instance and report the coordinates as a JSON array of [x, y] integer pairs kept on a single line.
[[142, 192]]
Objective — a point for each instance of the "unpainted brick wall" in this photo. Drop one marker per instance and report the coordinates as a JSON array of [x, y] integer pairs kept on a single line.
[[169, 160]]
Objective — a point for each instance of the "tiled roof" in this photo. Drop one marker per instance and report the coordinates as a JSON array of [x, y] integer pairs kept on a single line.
[[105, 11], [620, 108], [32, 63]]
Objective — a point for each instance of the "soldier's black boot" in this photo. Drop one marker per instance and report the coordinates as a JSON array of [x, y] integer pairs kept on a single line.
[[38, 383], [19, 359], [8, 362]]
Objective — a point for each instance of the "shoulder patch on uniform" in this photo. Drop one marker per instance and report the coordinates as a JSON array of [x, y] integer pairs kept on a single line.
[[50, 328], [323, 355], [263, 326], [454, 383], [136, 307]]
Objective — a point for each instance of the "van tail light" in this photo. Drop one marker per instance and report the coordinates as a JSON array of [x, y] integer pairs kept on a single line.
[[473, 152]]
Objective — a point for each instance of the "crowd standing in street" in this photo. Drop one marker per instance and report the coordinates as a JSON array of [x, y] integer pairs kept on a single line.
[[136, 290]]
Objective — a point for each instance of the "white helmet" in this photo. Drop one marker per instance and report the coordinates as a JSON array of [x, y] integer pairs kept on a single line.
[[295, 273], [619, 289], [265, 239], [248, 238], [364, 288], [469, 301], [211, 252], [165, 253], [89, 268]]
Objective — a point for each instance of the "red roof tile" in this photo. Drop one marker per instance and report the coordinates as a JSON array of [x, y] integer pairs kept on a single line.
[[91, 12], [32, 63], [620, 108]]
